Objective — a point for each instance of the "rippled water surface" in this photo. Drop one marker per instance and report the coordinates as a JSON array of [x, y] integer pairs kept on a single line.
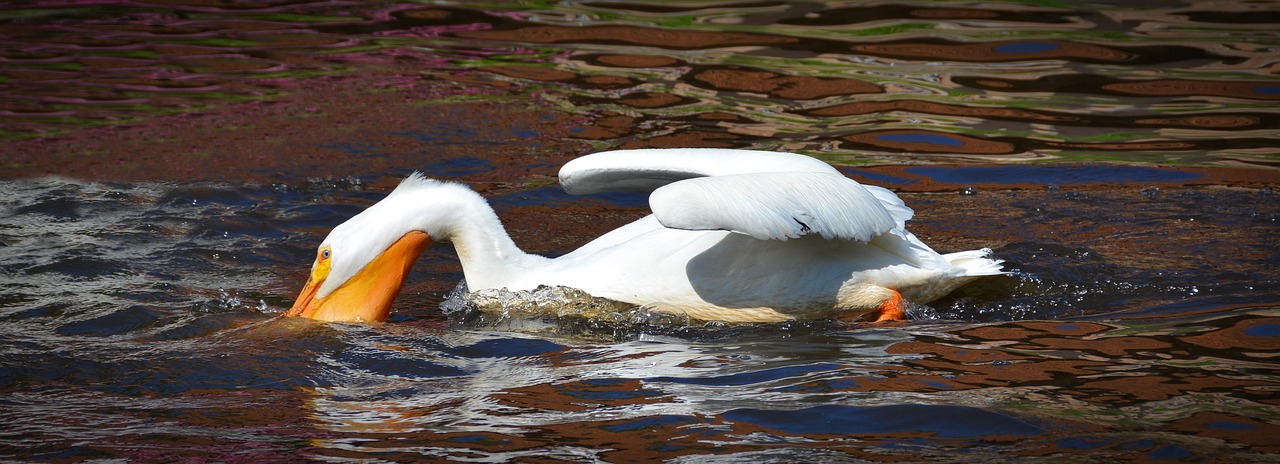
[[1120, 159]]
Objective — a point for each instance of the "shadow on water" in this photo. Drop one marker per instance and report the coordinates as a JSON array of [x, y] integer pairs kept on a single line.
[[139, 319]]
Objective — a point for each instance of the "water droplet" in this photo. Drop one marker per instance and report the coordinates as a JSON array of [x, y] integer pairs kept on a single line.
[[968, 190]]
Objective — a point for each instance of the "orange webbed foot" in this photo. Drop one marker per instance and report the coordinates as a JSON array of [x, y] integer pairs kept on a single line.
[[893, 309]]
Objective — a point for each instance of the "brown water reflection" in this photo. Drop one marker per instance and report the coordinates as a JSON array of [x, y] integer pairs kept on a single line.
[[1060, 390], [1064, 390], [1140, 323], [1099, 83]]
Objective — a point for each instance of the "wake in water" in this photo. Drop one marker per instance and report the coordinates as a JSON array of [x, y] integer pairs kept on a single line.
[[569, 312], [557, 310]]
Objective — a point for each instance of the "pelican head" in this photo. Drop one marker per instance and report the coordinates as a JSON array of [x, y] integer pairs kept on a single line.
[[362, 264]]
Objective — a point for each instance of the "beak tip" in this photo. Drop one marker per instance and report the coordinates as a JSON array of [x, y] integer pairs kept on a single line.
[[304, 306]]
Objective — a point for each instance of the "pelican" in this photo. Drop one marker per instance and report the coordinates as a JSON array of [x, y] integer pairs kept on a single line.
[[735, 236]]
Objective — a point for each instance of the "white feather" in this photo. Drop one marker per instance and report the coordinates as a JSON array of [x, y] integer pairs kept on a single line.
[[899, 210], [647, 169], [774, 206]]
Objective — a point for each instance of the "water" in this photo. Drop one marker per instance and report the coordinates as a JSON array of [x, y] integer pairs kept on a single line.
[[1118, 158]]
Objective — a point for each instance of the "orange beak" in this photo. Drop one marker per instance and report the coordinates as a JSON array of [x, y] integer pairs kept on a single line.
[[366, 296]]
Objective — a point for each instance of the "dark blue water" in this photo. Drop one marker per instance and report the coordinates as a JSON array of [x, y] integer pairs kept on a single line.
[[1056, 175]]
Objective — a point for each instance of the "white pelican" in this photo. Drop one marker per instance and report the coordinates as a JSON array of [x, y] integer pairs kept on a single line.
[[735, 236]]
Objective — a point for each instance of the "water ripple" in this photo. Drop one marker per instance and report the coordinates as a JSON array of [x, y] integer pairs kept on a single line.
[[138, 321]]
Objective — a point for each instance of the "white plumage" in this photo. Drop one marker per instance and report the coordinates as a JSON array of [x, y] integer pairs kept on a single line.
[[774, 206], [736, 236]]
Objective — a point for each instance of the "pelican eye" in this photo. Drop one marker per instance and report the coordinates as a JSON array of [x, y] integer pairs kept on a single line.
[[320, 270]]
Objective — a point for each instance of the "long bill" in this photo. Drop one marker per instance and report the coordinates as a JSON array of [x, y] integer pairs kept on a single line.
[[366, 296]]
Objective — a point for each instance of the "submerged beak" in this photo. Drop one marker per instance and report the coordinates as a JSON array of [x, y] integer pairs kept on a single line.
[[366, 296]]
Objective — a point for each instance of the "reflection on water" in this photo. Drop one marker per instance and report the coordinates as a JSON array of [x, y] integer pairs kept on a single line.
[[138, 320], [1185, 82]]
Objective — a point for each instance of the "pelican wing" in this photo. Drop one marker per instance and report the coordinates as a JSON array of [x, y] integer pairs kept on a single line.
[[900, 211], [647, 169], [775, 206]]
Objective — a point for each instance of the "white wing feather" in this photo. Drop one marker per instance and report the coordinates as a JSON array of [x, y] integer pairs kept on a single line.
[[813, 199], [648, 169], [774, 206], [900, 211]]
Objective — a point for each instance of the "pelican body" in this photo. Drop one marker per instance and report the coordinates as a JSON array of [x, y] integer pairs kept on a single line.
[[735, 236]]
